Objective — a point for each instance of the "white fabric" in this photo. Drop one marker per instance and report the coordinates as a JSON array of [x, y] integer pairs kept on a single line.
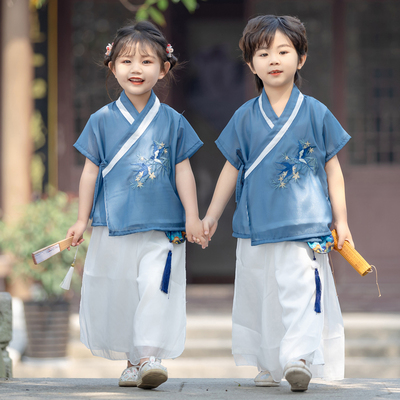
[[273, 319], [124, 111], [134, 137], [278, 136], [269, 122], [123, 313]]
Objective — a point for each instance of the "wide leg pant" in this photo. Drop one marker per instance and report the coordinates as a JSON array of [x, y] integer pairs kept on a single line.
[[273, 311], [123, 313]]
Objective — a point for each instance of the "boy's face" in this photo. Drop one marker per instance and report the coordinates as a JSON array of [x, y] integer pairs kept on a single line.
[[277, 65]]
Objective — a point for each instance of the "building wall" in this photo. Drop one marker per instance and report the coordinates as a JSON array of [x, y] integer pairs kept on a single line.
[[352, 67]]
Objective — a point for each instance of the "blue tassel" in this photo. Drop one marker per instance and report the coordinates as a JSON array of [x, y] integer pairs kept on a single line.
[[317, 307], [166, 274]]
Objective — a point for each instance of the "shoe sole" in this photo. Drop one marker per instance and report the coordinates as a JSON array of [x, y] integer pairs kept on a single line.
[[127, 384], [267, 384], [152, 379], [298, 378]]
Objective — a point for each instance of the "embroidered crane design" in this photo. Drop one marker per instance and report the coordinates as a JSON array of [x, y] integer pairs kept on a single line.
[[293, 168], [150, 168]]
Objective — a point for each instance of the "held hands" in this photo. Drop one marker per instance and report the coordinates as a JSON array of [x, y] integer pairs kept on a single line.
[[209, 227], [206, 230], [194, 232], [76, 231]]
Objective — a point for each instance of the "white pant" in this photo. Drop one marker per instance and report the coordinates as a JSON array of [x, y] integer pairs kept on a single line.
[[124, 314], [273, 310]]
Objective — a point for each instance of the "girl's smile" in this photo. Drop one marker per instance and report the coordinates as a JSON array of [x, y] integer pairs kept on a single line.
[[136, 81]]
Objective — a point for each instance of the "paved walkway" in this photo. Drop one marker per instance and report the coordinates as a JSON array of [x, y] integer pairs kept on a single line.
[[186, 389]]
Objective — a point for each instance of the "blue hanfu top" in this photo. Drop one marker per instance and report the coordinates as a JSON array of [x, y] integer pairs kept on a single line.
[[136, 154], [283, 195]]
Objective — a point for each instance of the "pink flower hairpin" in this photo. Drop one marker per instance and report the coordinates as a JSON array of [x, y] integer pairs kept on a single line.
[[109, 48], [169, 51]]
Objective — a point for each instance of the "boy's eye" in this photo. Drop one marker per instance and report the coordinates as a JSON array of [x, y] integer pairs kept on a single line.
[[283, 52], [264, 55]]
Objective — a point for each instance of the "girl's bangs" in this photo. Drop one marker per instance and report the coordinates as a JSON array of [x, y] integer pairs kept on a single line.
[[128, 46]]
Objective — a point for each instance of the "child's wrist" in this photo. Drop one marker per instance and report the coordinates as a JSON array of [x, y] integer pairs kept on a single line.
[[192, 217], [211, 217]]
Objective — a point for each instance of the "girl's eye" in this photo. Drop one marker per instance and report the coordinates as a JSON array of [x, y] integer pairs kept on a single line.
[[146, 62], [126, 61]]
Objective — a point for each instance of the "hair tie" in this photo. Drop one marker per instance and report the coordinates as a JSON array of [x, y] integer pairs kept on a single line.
[[109, 48], [169, 51]]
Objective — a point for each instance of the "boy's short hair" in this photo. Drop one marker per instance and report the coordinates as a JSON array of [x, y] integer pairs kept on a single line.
[[260, 31]]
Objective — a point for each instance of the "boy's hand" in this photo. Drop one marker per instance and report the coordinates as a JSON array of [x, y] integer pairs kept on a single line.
[[210, 225], [194, 232], [76, 231], [344, 234]]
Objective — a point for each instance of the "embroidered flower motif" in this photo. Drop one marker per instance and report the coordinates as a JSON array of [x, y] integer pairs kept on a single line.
[[326, 244], [292, 168], [150, 168]]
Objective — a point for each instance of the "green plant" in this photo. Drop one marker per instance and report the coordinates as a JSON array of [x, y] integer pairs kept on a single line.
[[153, 9], [42, 223]]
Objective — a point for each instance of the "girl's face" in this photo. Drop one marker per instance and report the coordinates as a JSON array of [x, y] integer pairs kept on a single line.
[[137, 71], [277, 65]]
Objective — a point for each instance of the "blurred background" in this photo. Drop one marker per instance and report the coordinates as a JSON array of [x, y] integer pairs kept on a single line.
[[52, 79]]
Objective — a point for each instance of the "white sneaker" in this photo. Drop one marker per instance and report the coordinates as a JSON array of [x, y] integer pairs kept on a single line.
[[298, 375], [264, 379], [129, 377], [151, 374]]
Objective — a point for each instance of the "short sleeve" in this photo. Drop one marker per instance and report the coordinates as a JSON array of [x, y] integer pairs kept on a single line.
[[87, 143], [188, 142], [228, 143], [335, 137]]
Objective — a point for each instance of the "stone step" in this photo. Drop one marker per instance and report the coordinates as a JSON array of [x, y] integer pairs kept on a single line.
[[211, 336], [372, 326], [372, 348], [373, 368]]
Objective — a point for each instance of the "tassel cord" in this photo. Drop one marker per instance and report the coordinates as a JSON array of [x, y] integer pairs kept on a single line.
[[318, 286], [376, 279], [66, 283]]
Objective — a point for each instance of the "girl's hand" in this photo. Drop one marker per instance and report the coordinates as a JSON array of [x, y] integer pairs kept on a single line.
[[210, 225], [76, 231], [194, 232], [344, 234]]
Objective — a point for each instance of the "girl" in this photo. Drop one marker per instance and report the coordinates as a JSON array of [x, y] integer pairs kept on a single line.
[[138, 187], [281, 156]]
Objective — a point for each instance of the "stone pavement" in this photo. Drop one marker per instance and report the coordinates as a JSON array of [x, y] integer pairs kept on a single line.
[[186, 389], [372, 351]]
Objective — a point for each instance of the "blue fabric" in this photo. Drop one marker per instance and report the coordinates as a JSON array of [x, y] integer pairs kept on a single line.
[[166, 274], [318, 290], [286, 196], [139, 193]]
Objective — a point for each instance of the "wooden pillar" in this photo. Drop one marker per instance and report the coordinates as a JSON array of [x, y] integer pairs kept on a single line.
[[65, 128], [52, 39], [16, 107], [339, 60]]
